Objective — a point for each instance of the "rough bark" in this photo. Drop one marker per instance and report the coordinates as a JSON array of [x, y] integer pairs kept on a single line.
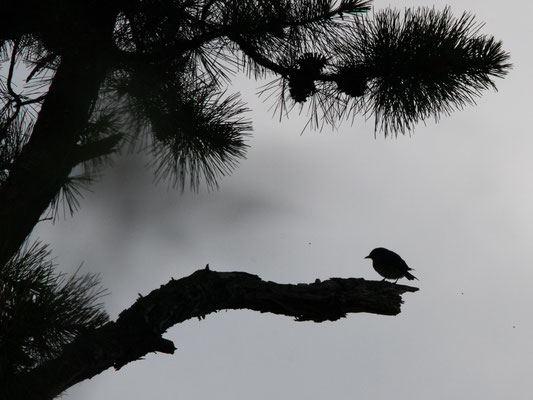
[[139, 329]]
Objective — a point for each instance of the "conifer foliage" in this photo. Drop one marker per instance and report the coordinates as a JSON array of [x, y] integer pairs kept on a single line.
[[80, 80]]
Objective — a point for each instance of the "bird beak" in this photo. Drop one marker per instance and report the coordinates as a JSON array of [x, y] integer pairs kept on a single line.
[[367, 256]]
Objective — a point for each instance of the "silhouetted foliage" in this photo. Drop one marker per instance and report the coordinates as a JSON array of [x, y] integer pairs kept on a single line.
[[82, 80], [41, 310]]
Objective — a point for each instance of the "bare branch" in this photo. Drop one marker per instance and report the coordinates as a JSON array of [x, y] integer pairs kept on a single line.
[[139, 329]]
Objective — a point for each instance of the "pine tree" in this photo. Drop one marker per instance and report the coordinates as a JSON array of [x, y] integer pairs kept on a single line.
[[78, 75]]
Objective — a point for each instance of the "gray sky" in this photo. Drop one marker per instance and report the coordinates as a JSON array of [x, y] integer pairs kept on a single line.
[[454, 199]]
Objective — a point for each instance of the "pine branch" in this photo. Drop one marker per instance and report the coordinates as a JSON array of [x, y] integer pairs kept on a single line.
[[42, 310], [95, 149], [236, 30], [139, 329], [345, 7], [250, 51]]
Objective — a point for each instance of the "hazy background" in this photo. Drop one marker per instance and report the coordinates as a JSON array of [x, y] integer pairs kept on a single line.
[[454, 199]]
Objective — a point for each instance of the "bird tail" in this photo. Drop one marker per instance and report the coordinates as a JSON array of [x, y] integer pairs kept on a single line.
[[410, 276]]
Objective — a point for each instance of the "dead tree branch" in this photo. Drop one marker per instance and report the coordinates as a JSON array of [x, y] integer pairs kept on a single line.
[[139, 329]]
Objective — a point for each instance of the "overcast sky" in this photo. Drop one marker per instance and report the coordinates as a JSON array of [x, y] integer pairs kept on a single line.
[[455, 199]]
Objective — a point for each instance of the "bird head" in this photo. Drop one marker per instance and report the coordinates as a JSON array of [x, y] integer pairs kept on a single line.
[[376, 253]]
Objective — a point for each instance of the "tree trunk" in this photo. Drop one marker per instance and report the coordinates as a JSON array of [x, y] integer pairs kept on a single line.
[[46, 160]]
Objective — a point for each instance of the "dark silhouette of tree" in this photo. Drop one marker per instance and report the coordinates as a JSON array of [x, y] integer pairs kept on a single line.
[[78, 75]]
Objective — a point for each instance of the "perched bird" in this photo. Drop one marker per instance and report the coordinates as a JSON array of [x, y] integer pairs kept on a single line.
[[389, 264]]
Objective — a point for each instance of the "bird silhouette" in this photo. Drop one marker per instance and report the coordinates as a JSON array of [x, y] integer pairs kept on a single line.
[[390, 265]]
